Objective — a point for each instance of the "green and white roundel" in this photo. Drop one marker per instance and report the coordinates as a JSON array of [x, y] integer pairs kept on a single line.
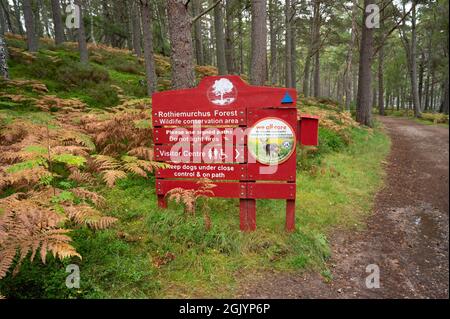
[[271, 141]]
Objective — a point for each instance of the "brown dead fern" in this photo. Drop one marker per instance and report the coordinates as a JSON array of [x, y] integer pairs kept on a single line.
[[26, 229], [189, 197]]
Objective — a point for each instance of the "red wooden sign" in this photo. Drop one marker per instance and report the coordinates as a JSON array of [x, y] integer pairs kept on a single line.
[[241, 137]]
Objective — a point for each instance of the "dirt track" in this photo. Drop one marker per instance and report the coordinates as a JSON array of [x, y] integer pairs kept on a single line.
[[407, 236]]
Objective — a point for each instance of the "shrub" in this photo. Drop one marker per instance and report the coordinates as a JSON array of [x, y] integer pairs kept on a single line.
[[128, 67], [43, 68], [436, 118], [102, 95], [330, 140], [78, 74]]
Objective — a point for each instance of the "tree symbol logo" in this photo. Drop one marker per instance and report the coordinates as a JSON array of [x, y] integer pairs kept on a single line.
[[222, 92]]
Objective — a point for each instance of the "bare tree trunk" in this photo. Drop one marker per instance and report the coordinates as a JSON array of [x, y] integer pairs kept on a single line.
[[349, 65], [421, 78], [136, 28], [364, 103], [162, 23], [36, 6], [381, 106], [57, 22], [6, 17], [444, 106], [32, 40], [106, 19], [17, 16], [44, 20], [182, 55], [197, 8], [293, 56], [307, 69], [146, 15], [411, 48], [381, 81], [3, 59], [398, 100], [288, 44], [3, 19], [259, 42], [374, 96], [229, 36], [91, 20], [82, 44], [316, 48], [355, 75], [241, 43], [415, 91], [220, 39], [273, 43]]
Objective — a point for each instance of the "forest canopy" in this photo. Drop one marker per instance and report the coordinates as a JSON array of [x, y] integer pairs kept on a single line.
[[366, 55]]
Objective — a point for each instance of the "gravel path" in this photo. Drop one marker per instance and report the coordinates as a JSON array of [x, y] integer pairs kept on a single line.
[[407, 236]]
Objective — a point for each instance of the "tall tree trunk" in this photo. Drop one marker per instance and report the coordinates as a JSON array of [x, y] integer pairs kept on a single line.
[[288, 44], [241, 43], [398, 100], [6, 17], [82, 44], [182, 55], [364, 103], [432, 85], [106, 21], [91, 20], [349, 64], [220, 39], [411, 48], [421, 78], [3, 59], [162, 23], [381, 105], [293, 56], [45, 17], [3, 27], [57, 22], [429, 69], [197, 8], [229, 36], [273, 43], [259, 43], [37, 5], [374, 96], [415, 90], [307, 69], [381, 81], [136, 28], [444, 106], [32, 40], [355, 76], [316, 49], [146, 15], [17, 16]]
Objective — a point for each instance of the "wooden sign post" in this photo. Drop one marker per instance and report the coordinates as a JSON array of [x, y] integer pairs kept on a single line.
[[241, 137]]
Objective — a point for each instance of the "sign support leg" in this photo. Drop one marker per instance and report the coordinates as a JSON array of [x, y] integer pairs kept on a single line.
[[290, 215], [162, 202], [248, 214]]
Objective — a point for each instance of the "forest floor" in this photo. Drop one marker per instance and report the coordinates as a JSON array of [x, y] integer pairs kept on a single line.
[[149, 252], [406, 236]]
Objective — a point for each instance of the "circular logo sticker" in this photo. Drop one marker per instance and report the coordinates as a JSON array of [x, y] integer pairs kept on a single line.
[[222, 92], [271, 141]]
